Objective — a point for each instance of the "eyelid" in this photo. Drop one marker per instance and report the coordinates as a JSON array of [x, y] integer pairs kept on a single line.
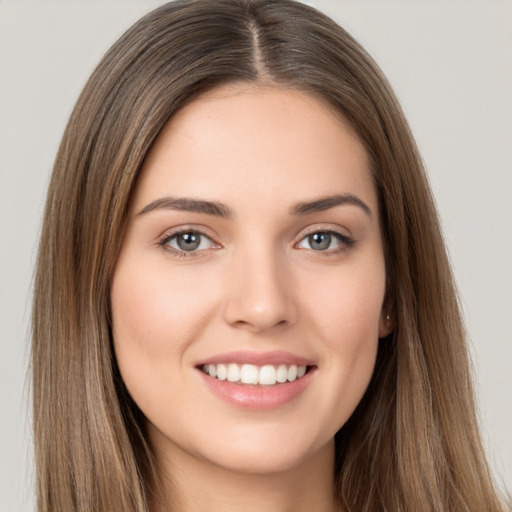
[[173, 232], [324, 228], [345, 239]]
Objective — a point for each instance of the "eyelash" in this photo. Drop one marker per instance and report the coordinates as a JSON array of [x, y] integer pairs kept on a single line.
[[345, 241], [163, 243]]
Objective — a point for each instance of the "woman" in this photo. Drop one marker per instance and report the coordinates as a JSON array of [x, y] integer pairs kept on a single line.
[[242, 296]]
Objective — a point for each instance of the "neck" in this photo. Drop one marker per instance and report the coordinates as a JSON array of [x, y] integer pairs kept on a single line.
[[193, 485]]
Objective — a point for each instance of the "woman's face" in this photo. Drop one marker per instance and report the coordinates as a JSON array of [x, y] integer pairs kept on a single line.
[[253, 252]]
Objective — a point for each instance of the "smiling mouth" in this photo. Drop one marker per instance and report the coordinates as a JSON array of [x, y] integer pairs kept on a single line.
[[250, 374]]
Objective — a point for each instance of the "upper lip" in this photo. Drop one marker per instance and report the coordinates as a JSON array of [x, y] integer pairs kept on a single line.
[[274, 357]]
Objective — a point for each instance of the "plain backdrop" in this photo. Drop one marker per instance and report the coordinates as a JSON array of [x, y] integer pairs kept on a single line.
[[450, 63]]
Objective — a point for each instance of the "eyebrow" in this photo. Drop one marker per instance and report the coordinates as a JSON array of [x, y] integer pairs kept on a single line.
[[221, 210], [189, 205], [326, 203]]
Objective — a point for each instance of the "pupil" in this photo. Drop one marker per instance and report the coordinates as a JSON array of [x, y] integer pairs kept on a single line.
[[320, 241], [188, 241]]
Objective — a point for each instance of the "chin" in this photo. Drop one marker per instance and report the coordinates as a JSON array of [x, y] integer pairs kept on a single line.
[[265, 452], [259, 463]]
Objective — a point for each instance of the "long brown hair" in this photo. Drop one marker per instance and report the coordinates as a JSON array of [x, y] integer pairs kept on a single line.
[[413, 442]]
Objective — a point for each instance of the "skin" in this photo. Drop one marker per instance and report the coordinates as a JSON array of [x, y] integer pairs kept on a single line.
[[255, 283]]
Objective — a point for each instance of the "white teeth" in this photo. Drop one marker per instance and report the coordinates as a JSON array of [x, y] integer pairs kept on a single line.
[[267, 375], [233, 373], [282, 373], [222, 372], [292, 373], [249, 374]]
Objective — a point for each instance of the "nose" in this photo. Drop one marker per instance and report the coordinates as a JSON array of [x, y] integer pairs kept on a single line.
[[259, 293]]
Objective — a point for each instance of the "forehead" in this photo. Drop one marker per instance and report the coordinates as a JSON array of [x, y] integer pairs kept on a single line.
[[252, 142]]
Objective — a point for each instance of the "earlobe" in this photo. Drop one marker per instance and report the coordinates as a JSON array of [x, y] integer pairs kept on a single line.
[[385, 324]]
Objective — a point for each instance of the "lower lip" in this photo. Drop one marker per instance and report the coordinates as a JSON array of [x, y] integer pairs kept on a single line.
[[257, 398]]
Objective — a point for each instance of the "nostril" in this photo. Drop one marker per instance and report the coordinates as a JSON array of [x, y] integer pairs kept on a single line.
[[259, 301], [259, 323]]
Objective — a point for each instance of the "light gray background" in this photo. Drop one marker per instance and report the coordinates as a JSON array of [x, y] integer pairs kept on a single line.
[[450, 63]]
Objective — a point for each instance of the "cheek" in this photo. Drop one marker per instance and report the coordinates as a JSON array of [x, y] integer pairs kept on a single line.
[[154, 311], [156, 317], [346, 305], [345, 312]]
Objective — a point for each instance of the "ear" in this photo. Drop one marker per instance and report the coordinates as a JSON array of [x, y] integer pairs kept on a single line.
[[386, 323]]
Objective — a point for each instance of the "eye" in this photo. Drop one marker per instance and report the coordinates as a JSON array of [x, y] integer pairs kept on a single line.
[[187, 242], [325, 241]]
